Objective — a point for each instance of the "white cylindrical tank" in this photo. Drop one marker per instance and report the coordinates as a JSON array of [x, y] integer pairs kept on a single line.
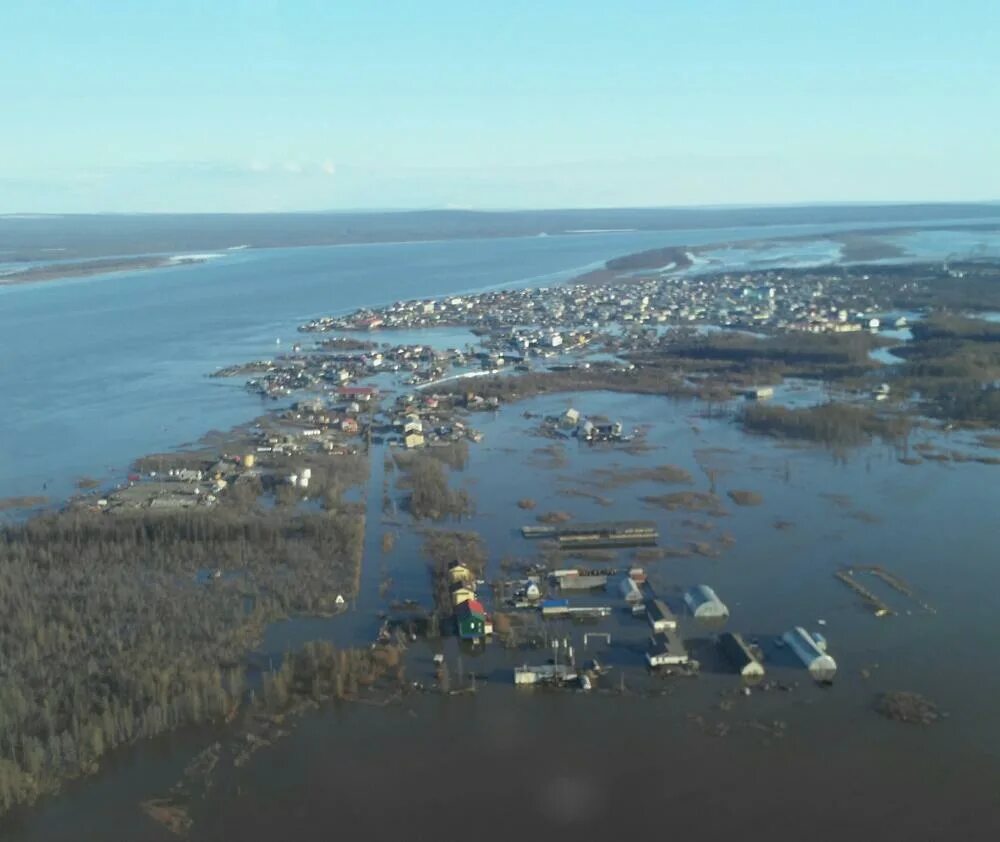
[[306, 473], [293, 479], [303, 482]]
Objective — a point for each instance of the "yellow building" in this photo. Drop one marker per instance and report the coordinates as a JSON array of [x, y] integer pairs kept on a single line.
[[458, 572], [461, 593]]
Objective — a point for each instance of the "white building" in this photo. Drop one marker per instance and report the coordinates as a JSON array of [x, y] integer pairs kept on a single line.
[[666, 649]]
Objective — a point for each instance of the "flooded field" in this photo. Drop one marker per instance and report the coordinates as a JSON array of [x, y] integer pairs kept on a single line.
[[789, 756]]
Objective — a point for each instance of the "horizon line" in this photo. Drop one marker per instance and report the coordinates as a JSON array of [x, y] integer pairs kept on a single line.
[[895, 203]]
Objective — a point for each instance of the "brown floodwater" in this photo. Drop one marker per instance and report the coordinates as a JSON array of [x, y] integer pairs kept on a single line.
[[812, 762]]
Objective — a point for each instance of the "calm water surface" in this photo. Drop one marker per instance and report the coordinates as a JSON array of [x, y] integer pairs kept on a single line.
[[567, 762]]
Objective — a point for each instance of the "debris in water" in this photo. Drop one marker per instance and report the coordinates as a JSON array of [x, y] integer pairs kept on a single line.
[[911, 708]]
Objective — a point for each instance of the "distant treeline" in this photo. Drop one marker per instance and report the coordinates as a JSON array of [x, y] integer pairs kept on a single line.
[[91, 235], [954, 327], [651, 259], [832, 424], [969, 285], [953, 363], [812, 354]]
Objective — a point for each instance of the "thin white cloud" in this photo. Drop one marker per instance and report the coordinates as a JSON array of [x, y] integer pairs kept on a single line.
[[259, 166], [293, 167], [328, 167]]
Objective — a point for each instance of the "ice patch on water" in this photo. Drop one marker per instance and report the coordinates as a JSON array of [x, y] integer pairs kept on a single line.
[[187, 258]]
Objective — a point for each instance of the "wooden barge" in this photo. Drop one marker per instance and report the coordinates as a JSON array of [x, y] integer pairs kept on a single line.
[[624, 533]]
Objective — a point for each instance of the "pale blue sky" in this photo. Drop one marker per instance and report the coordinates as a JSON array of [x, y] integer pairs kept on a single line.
[[140, 105]]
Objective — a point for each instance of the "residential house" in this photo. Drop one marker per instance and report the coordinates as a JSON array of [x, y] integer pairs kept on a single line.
[[471, 620], [458, 572], [461, 592]]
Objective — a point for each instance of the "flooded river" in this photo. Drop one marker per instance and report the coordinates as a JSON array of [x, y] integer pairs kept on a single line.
[[689, 755]]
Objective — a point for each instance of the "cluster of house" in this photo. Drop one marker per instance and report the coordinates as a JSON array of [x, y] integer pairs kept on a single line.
[[318, 415], [417, 420], [326, 370], [520, 342], [666, 647], [321, 425], [471, 620], [547, 319], [413, 420], [181, 487], [836, 320], [591, 430]]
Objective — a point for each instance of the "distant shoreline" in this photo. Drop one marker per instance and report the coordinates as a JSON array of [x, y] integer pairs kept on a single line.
[[858, 244], [87, 268]]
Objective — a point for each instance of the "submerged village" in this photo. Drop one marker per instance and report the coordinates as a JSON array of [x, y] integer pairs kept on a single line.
[[447, 506]]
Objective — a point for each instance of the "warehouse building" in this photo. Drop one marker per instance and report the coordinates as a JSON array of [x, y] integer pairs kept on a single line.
[[630, 590], [582, 582], [741, 656], [703, 603], [660, 617], [666, 649], [821, 666]]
